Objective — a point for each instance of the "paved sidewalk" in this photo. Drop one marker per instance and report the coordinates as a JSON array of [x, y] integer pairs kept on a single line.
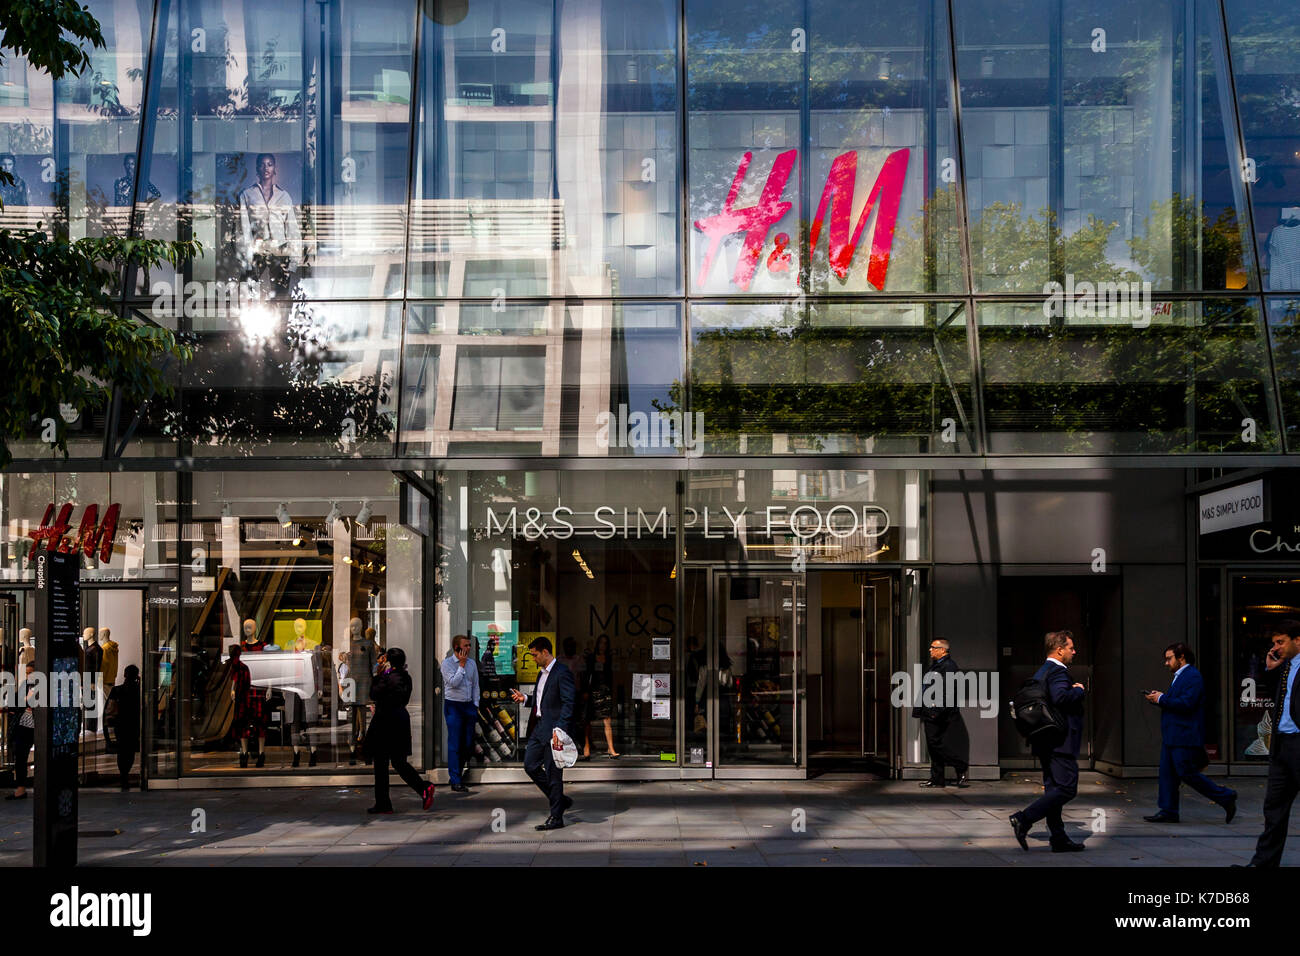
[[679, 823]]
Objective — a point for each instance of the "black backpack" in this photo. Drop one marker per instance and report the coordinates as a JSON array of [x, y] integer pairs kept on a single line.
[[1036, 718]]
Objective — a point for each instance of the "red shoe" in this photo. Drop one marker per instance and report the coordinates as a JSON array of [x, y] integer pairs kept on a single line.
[[428, 796]]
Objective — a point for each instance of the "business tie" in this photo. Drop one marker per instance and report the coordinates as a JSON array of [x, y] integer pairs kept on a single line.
[[1281, 699]]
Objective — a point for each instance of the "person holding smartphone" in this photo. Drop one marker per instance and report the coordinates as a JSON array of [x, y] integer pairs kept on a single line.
[[1182, 738], [460, 707], [1284, 750], [388, 739]]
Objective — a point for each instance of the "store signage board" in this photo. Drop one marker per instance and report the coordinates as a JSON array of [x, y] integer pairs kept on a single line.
[[1233, 507], [838, 197], [58, 728]]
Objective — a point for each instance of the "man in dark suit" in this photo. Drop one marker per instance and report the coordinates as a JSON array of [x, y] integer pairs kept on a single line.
[[552, 708], [1284, 749], [1182, 738], [945, 731], [1060, 763]]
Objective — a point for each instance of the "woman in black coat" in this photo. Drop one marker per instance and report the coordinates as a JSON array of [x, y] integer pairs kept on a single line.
[[126, 722], [388, 738]]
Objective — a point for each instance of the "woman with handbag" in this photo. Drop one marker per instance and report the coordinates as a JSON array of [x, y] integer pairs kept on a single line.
[[388, 738], [123, 712]]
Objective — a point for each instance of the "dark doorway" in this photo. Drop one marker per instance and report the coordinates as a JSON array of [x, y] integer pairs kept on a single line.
[[1029, 607]]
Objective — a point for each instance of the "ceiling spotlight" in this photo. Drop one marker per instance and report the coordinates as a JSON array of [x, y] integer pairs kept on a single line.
[[363, 516], [282, 515], [883, 72], [333, 516], [347, 559], [297, 542]]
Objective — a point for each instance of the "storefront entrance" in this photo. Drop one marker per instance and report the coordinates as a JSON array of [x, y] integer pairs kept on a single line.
[[803, 666]]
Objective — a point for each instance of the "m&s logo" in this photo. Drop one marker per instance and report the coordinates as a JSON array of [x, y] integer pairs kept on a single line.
[[837, 195], [91, 534]]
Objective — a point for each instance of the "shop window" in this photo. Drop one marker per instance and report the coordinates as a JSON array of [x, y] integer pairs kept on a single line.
[[602, 592]]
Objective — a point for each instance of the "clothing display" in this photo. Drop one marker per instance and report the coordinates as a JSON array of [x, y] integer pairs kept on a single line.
[[1284, 252], [110, 660]]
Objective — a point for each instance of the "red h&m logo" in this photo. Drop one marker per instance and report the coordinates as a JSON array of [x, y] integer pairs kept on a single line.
[[90, 534], [755, 221]]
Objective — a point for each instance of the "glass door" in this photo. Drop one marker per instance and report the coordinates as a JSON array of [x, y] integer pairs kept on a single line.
[[759, 625], [877, 630]]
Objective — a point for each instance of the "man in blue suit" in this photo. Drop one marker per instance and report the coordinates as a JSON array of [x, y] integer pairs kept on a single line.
[[1060, 763], [551, 706], [1182, 738]]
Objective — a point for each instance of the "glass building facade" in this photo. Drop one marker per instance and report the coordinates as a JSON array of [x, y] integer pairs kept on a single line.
[[737, 351]]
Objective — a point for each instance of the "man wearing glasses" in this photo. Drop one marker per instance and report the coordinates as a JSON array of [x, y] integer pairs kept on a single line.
[[945, 731]]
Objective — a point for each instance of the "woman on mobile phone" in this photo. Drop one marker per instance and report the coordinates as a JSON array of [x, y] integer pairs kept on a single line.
[[388, 739]]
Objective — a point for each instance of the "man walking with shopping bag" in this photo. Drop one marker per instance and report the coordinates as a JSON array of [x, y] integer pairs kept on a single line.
[[550, 721]]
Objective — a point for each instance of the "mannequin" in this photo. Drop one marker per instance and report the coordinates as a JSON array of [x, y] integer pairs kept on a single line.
[[110, 649], [304, 713], [255, 721], [27, 652], [362, 657], [92, 663]]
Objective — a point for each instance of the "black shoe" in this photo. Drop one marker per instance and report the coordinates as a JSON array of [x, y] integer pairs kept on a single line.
[[243, 758], [1230, 809], [311, 759], [297, 758], [379, 810], [962, 782], [927, 784], [1162, 817], [551, 824], [459, 788], [1021, 829], [261, 758], [1067, 846], [566, 804]]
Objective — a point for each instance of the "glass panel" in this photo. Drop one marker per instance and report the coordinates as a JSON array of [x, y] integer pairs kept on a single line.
[[1195, 380], [878, 103], [743, 99], [1284, 331], [617, 146], [317, 378], [874, 107], [1103, 156], [1266, 65], [586, 560], [831, 378], [316, 577], [554, 378], [126, 521], [759, 620], [283, 131], [484, 181]]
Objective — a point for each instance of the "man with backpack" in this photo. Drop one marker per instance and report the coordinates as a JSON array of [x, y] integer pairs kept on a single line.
[[1053, 731]]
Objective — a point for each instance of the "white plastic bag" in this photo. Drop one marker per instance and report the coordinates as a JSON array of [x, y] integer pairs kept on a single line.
[[569, 755]]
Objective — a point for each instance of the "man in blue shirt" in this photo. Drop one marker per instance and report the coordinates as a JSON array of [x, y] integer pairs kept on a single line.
[[1284, 749], [1182, 738], [460, 707]]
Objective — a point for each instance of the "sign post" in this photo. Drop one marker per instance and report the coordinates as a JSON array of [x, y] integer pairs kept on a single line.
[[58, 723]]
